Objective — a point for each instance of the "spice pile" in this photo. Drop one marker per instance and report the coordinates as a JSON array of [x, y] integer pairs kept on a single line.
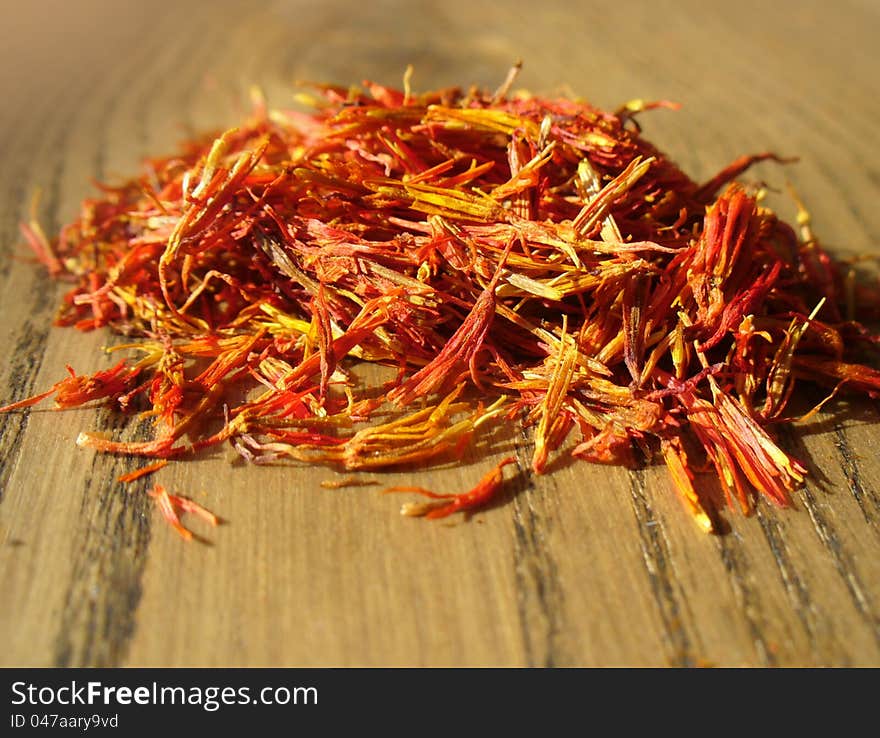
[[515, 258]]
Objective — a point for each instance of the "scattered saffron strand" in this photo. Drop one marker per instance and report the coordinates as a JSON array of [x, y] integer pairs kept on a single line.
[[443, 505], [172, 505], [142, 472], [513, 258], [347, 482], [77, 389]]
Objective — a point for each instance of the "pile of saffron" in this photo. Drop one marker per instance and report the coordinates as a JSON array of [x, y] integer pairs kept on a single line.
[[515, 260]]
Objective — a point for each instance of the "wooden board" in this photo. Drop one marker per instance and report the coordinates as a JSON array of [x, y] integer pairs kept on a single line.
[[584, 566]]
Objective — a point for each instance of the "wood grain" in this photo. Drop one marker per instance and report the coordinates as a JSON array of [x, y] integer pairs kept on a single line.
[[584, 566]]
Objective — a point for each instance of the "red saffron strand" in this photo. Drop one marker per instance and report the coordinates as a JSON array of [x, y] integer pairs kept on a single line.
[[172, 505], [142, 472], [443, 505]]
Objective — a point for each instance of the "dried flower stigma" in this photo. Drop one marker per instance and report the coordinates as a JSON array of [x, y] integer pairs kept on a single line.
[[171, 506], [443, 505], [511, 257]]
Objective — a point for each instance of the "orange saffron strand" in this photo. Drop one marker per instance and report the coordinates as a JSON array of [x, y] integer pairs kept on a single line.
[[171, 505], [444, 505], [142, 472]]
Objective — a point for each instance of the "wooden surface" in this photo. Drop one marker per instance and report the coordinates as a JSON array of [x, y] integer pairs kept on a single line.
[[584, 566]]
